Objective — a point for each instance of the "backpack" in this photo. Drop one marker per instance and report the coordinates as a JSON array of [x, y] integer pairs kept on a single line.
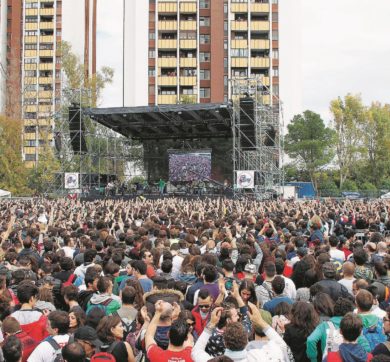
[[104, 353], [57, 348], [374, 334], [333, 339], [70, 280], [129, 326], [103, 306]]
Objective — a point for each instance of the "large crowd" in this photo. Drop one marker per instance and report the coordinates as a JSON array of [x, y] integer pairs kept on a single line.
[[189, 167], [181, 280]]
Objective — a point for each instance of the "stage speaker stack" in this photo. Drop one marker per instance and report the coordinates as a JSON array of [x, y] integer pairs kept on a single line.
[[270, 136], [76, 130], [247, 125]]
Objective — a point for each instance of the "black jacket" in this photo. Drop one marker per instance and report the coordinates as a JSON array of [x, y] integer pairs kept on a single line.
[[334, 289]]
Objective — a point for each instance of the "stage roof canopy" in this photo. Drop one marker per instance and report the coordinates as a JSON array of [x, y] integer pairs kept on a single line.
[[178, 121]]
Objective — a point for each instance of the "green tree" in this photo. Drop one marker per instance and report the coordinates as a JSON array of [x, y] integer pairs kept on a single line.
[[349, 115], [376, 139], [310, 143], [13, 173]]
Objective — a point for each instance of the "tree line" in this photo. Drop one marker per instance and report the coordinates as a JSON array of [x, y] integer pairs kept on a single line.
[[349, 154]]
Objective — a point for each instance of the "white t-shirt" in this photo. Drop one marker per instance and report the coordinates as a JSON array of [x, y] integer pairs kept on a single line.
[[289, 289], [348, 284], [337, 254], [44, 352]]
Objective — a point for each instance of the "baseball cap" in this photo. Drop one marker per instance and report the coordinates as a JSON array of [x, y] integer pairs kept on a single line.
[[87, 333]]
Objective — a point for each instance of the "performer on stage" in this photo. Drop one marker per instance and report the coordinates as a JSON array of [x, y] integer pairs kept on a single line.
[[161, 186]]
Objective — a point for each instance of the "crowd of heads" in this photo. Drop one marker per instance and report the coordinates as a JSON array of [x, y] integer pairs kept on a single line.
[[207, 279]]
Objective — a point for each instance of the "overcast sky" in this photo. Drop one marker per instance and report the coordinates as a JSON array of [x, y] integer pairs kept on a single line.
[[327, 49]]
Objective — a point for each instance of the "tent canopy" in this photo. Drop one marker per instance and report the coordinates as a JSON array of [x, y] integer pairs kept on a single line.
[[4, 193]]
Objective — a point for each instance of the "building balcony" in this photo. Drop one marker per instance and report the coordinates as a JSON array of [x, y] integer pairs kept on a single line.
[[31, 26], [266, 99], [31, 12], [188, 81], [30, 122], [167, 43], [167, 81], [188, 7], [167, 25], [239, 25], [46, 1], [188, 98], [259, 44], [46, 53], [260, 62], [29, 136], [45, 80], [187, 25], [30, 94], [239, 62], [45, 94], [260, 25], [30, 53], [167, 99], [30, 39], [259, 8], [46, 66], [46, 39], [167, 62], [188, 44], [239, 7], [168, 7], [30, 66], [188, 62], [30, 108], [240, 44], [47, 11], [45, 108], [29, 80], [46, 25]]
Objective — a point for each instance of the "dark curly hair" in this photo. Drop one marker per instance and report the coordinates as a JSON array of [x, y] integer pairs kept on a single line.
[[304, 317], [235, 337]]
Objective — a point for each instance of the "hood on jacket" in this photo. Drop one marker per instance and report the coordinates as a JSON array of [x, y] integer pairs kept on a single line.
[[369, 320], [100, 298], [188, 278], [352, 352]]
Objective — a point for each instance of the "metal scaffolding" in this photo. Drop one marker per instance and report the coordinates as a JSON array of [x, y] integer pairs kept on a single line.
[[97, 153], [264, 150]]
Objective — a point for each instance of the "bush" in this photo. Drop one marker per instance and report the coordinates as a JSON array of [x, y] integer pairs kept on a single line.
[[349, 185]]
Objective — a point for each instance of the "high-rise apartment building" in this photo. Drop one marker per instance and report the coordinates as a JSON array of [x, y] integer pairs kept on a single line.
[[196, 46], [33, 64]]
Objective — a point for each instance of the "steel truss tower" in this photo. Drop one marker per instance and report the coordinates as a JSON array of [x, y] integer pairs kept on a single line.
[[88, 148], [264, 150]]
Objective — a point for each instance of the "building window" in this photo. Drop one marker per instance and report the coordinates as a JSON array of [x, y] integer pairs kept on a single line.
[[240, 53], [30, 88], [204, 74], [31, 5], [30, 46], [275, 90], [152, 72], [275, 72], [275, 53], [204, 4], [188, 91], [30, 157], [152, 35], [30, 60], [31, 19], [275, 35], [275, 17], [30, 73], [152, 53], [204, 93], [275, 1], [29, 143], [225, 8], [204, 57], [31, 33], [225, 80], [29, 129], [204, 21], [45, 46], [204, 39]]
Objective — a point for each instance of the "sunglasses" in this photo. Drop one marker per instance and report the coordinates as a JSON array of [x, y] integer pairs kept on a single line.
[[205, 306]]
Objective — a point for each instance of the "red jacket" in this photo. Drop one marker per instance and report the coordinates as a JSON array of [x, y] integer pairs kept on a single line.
[[33, 323], [28, 344], [335, 357], [200, 323]]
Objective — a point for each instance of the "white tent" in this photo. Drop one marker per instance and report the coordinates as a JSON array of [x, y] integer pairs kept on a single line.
[[4, 194]]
